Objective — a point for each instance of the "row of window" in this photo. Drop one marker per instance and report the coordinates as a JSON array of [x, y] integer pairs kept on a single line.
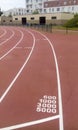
[[27, 1], [48, 10], [61, 9], [33, 18], [16, 12], [63, 3], [70, 2]]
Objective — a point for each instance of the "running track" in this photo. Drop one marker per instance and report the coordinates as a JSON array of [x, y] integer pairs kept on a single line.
[[38, 80]]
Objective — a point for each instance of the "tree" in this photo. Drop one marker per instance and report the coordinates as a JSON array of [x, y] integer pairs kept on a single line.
[[1, 13], [73, 22], [35, 12], [10, 14]]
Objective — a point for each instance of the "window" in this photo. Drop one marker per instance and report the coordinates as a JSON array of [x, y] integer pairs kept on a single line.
[[32, 18], [45, 11], [36, 0], [16, 18], [69, 1], [27, 11], [74, 1], [49, 10], [46, 5], [65, 2], [4, 21], [72, 8], [10, 20], [63, 8], [27, 1], [52, 9], [69, 9], [53, 17], [58, 9]]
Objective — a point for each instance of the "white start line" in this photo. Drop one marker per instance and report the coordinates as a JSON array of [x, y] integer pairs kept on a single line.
[[31, 123]]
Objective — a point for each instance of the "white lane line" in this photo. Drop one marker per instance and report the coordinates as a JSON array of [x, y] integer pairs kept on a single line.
[[7, 39], [41, 39], [31, 123], [3, 33], [61, 125], [22, 35], [20, 71], [18, 47], [28, 47], [23, 47]]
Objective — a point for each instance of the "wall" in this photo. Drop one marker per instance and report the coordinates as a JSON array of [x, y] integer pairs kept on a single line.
[[55, 18], [6, 20]]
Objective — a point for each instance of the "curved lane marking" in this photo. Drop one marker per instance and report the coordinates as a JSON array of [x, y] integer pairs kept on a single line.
[[61, 125], [3, 33], [22, 35], [7, 39], [20, 71]]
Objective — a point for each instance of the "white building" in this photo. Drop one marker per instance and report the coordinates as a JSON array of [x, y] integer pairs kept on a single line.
[[64, 6], [45, 6], [15, 11], [35, 5], [52, 6]]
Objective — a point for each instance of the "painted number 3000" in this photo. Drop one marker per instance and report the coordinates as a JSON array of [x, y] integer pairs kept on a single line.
[[47, 104]]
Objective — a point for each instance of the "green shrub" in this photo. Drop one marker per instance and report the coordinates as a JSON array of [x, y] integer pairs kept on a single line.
[[35, 12], [73, 22]]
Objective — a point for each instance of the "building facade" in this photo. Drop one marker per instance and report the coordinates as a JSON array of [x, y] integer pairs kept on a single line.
[[15, 11], [45, 6], [63, 6], [35, 5], [42, 19], [51, 6]]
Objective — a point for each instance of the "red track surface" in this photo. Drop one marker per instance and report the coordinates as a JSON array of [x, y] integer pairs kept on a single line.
[[30, 64]]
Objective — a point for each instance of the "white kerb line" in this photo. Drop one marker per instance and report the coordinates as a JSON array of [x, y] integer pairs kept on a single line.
[[61, 125], [19, 72]]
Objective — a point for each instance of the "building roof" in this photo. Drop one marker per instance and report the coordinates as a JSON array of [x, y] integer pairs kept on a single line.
[[56, 3]]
